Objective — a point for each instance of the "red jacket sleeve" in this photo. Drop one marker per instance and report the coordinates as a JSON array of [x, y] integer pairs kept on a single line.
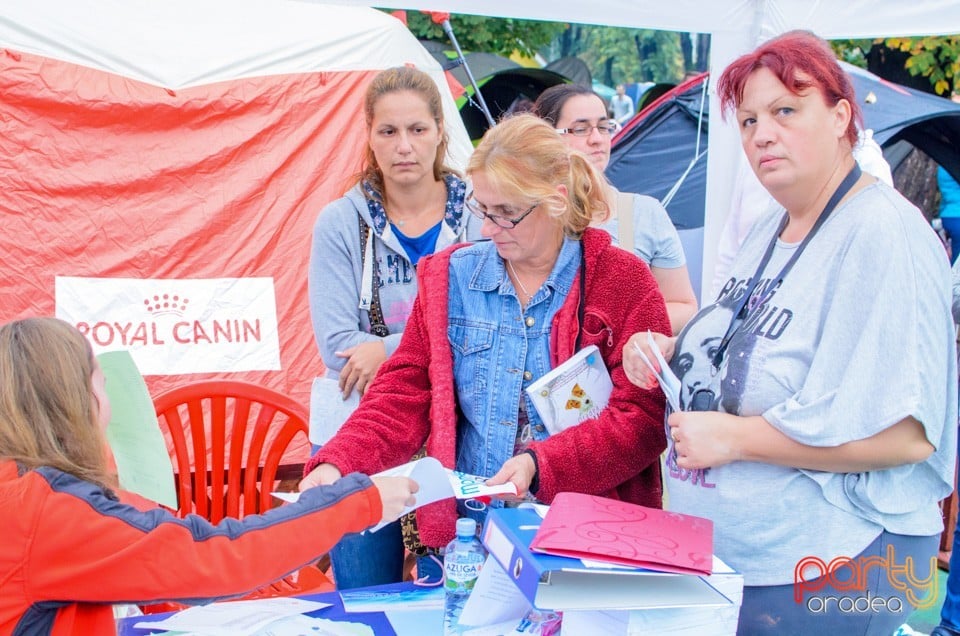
[[88, 547]]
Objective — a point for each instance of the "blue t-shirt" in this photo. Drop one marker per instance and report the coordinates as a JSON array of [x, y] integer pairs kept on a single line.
[[418, 246]]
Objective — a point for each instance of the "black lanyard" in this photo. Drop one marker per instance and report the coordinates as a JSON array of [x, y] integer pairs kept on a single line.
[[582, 301], [742, 309]]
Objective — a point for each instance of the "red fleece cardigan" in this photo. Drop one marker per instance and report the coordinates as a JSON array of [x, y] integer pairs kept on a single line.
[[413, 399]]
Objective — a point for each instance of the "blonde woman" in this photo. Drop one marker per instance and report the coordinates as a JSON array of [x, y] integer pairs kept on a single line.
[[492, 317]]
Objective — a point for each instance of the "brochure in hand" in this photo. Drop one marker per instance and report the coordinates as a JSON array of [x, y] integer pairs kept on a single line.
[[574, 391], [436, 482], [668, 381], [591, 527]]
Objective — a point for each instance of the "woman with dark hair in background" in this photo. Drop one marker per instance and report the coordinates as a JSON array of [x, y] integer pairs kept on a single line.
[[635, 221]]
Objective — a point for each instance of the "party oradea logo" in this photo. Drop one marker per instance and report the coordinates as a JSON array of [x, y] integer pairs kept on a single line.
[[843, 584]]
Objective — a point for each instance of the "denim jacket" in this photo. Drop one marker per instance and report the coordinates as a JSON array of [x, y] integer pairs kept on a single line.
[[496, 341], [414, 398]]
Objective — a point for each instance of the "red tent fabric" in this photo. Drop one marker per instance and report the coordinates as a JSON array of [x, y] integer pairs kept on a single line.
[[159, 185]]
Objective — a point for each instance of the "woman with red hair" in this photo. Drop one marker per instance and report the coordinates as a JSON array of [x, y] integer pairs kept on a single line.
[[818, 429]]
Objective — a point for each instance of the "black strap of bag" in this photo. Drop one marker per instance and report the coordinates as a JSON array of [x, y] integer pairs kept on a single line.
[[377, 326], [747, 302]]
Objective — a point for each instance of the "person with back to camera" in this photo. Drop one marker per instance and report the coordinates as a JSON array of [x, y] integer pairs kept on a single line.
[[492, 317], [71, 548], [407, 204], [578, 113], [835, 434]]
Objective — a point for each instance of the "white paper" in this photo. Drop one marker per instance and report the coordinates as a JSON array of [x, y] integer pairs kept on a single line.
[[234, 618], [596, 622], [539, 508], [604, 565], [495, 598], [429, 474], [436, 483], [506, 628], [669, 383], [328, 409], [467, 486]]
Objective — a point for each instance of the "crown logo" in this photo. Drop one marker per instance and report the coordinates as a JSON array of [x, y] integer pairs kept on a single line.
[[161, 304]]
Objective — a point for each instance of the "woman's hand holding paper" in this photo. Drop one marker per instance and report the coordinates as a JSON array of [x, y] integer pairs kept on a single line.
[[638, 347], [518, 470]]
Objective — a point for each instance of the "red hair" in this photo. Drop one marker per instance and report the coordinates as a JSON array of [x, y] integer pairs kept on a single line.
[[800, 60]]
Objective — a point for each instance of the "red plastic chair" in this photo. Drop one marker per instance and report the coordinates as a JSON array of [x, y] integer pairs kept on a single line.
[[236, 479]]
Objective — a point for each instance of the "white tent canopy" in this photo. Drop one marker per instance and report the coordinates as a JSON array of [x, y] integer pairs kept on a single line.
[[220, 40], [735, 26]]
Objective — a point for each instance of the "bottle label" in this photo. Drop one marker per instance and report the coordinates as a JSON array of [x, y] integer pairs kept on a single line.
[[462, 573]]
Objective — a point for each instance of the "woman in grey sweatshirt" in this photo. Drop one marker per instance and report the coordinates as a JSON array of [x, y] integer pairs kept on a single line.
[[406, 204]]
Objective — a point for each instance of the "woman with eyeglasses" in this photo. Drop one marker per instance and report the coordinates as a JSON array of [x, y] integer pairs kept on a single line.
[[580, 116], [492, 317], [406, 204], [829, 384]]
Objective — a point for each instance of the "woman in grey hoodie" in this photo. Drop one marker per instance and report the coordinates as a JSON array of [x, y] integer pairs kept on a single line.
[[406, 204]]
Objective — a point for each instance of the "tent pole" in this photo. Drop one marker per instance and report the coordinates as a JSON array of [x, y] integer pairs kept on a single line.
[[466, 67]]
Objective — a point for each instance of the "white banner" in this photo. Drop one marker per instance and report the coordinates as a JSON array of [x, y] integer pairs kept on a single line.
[[177, 326]]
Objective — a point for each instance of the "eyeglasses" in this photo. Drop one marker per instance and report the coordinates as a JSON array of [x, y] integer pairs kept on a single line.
[[605, 128], [501, 221]]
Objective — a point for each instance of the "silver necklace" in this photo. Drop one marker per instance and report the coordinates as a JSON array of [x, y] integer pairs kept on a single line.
[[516, 277]]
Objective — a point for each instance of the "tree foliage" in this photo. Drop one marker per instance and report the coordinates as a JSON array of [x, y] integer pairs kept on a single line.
[[936, 58], [620, 55], [616, 55], [502, 36], [613, 54]]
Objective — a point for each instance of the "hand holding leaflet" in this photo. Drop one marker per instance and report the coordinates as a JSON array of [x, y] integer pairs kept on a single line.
[[669, 383], [436, 483]]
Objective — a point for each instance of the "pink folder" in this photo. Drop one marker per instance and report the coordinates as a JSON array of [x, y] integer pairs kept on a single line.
[[590, 527]]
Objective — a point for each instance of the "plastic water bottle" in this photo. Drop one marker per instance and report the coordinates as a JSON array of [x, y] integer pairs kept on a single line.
[[462, 562]]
